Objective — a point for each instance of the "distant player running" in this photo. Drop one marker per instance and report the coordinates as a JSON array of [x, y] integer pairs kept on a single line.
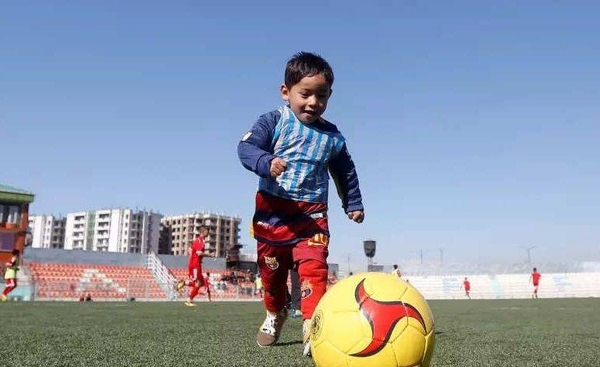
[[10, 276], [259, 286], [207, 286], [195, 279], [396, 272], [467, 287], [535, 280]]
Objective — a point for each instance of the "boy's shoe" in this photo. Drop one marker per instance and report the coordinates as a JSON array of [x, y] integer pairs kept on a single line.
[[306, 328], [180, 284], [190, 304], [3, 298], [268, 334]]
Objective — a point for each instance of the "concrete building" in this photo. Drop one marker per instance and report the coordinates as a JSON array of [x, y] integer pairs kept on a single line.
[[113, 230], [47, 231], [179, 231]]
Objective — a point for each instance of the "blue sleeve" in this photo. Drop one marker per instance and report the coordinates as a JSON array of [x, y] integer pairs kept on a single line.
[[255, 149], [345, 177]]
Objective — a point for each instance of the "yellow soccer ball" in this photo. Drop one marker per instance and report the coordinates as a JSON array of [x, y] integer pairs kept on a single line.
[[372, 320]]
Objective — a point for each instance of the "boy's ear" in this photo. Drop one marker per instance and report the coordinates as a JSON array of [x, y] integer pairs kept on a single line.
[[285, 92]]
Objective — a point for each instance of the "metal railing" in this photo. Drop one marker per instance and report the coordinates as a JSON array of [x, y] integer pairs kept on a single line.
[[163, 275]]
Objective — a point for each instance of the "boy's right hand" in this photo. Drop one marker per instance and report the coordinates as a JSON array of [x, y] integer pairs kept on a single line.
[[278, 165], [358, 216]]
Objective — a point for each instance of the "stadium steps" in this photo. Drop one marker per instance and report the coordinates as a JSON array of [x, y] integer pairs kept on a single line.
[[163, 276]]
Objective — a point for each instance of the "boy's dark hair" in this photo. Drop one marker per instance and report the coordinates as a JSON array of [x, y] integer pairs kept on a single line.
[[16, 252], [305, 64], [204, 227]]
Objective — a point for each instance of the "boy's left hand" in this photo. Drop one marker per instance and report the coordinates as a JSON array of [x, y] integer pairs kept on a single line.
[[358, 216]]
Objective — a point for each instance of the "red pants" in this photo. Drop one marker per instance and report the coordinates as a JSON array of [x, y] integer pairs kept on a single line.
[[10, 285], [309, 258], [195, 275]]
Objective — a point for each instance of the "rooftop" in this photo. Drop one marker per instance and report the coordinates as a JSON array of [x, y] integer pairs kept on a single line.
[[12, 194]]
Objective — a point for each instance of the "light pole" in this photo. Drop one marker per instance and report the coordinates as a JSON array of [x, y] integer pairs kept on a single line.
[[528, 249], [349, 268], [419, 255]]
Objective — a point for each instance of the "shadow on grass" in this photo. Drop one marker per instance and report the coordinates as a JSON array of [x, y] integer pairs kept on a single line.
[[288, 343]]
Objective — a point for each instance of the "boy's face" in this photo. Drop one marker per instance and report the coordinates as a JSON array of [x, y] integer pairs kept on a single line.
[[308, 98]]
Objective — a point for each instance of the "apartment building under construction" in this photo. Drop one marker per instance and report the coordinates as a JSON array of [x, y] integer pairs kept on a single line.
[[179, 231]]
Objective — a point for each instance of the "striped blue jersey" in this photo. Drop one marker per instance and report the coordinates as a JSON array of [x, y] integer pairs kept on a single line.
[[311, 152]]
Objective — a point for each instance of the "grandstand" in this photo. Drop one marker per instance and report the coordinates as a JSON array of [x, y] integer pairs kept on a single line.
[[54, 274], [69, 281]]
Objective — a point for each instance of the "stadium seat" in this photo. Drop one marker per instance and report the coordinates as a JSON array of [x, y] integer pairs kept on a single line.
[[68, 281]]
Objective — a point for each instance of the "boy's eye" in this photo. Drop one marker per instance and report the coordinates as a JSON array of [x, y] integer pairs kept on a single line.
[[303, 95]]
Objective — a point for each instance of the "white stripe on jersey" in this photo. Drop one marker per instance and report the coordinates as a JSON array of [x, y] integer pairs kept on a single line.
[[307, 152]]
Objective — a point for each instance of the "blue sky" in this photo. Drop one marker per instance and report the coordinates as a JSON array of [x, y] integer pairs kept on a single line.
[[475, 126]]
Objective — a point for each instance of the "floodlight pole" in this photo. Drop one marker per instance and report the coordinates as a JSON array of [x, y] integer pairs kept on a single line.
[[528, 249], [349, 269]]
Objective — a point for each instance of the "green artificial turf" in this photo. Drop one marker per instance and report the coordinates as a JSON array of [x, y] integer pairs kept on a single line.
[[536, 333]]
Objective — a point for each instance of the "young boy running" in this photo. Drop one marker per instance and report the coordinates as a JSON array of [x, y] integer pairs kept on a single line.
[[292, 149]]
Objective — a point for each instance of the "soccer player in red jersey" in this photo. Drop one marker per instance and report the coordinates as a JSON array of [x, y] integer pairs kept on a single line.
[[467, 286], [10, 276], [535, 280], [207, 286], [195, 280]]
